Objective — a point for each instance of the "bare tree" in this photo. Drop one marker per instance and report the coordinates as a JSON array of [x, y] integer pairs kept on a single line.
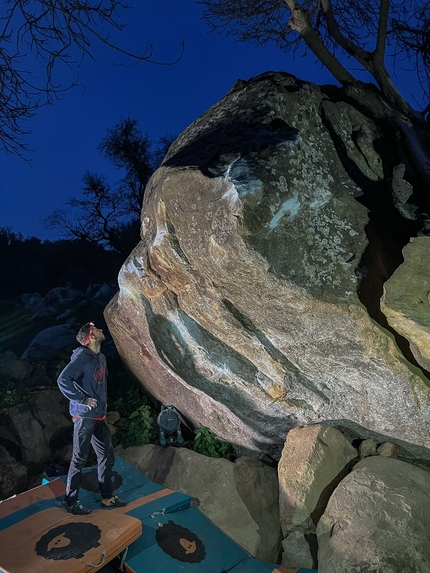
[[128, 148], [364, 30], [44, 35], [97, 217], [95, 212], [110, 215]]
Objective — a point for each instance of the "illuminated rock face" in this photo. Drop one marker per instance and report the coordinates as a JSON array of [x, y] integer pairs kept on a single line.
[[239, 305], [406, 301]]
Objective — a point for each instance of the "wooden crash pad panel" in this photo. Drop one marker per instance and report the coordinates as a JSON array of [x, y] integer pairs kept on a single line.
[[37, 535]]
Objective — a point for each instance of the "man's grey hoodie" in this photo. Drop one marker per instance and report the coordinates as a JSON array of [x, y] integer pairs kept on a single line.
[[85, 377]]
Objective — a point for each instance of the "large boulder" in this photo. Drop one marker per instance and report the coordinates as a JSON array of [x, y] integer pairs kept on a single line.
[[240, 498], [240, 304], [377, 520]]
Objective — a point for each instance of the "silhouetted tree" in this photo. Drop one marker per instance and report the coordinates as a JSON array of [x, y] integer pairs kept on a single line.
[[29, 264], [108, 215], [128, 148], [330, 27]]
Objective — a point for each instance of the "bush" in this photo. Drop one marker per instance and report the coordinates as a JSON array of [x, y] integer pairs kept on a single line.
[[130, 399], [138, 430], [10, 395], [208, 444], [60, 367]]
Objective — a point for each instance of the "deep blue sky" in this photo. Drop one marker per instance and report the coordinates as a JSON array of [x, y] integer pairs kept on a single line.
[[165, 100]]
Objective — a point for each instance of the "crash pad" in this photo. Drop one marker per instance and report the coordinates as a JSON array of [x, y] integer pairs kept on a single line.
[[187, 541], [38, 535]]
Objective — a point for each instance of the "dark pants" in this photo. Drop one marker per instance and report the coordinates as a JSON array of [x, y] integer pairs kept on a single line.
[[95, 432]]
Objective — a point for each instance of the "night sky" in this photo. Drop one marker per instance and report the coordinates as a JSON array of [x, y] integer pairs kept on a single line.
[[165, 100]]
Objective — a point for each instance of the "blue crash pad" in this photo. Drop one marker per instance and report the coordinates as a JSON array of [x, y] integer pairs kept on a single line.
[[162, 532]]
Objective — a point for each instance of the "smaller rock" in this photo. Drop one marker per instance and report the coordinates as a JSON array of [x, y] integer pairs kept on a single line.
[[32, 301], [8, 437], [240, 498], [65, 454], [367, 448], [51, 409], [45, 344], [314, 460], [388, 450], [92, 289], [31, 435], [112, 417], [45, 311], [105, 293], [65, 315], [377, 520], [296, 551], [62, 296], [12, 367]]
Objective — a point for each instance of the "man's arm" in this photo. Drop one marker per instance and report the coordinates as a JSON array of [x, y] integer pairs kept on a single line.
[[70, 389]]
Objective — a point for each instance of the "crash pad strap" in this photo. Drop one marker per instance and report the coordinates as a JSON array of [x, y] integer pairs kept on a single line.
[[144, 500]]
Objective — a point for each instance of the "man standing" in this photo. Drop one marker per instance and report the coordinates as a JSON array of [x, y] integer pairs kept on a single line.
[[83, 382]]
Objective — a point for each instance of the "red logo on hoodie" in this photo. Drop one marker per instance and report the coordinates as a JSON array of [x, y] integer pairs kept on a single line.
[[99, 374]]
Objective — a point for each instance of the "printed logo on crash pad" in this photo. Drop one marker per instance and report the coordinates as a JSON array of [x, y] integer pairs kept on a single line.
[[68, 541], [89, 481], [180, 543]]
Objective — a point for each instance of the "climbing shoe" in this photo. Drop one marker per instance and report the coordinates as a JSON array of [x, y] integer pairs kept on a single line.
[[114, 501], [77, 508]]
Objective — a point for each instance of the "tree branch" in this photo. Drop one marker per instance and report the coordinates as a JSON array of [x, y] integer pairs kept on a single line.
[[373, 62], [379, 53], [300, 22], [42, 34], [358, 53]]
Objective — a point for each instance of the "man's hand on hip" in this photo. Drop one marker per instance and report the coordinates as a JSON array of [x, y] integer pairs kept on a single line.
[[91, 403]]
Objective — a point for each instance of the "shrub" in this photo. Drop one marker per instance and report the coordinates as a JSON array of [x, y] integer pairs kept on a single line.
[[60, 367], [10, 395], [138, 430], [130, 400], [208, 444], [139, 427]]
